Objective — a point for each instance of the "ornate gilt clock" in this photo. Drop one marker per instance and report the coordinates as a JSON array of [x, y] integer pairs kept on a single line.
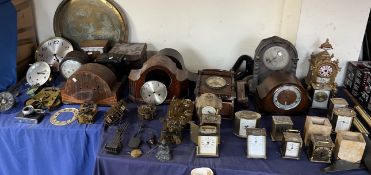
[[273, 54], [323, 68]]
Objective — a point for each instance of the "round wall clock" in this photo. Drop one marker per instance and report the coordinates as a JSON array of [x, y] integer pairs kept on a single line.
[[273, 54], [153, 92], [7, 101], [53, 51], [38, 74]]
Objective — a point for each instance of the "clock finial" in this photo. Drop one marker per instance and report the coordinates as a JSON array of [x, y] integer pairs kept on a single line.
[[326, 45]]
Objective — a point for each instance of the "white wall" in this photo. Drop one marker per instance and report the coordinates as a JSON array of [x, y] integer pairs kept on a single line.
[[213, 33], [342, 21]]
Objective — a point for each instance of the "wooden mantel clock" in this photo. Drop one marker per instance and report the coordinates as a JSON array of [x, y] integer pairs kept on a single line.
[[282, 93], [166, 67], [92, 83]]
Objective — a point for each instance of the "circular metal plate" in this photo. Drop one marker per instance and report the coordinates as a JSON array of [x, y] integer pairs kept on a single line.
[[54, 118], [153, 92], [79, 20], [6, 101]]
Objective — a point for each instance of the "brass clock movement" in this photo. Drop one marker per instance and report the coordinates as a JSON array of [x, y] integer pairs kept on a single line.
[[273, 54], [323, 68]]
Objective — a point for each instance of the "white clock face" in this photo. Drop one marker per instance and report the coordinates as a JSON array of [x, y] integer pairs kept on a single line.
[[343, 123], [256, 146], [38, 74], [292, 149], [208, 110], [244, 123], [287, 97], [276, 58], [53, 50], [153, 92], [208, 145], [325, 71], [69, 67]]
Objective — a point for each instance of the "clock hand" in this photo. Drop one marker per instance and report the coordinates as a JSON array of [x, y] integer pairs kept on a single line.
[[56, 58]]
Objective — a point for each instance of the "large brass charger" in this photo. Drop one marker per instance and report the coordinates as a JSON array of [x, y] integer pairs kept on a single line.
[[79, 20]]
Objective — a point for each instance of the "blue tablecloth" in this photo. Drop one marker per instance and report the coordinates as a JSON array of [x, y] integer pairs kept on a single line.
[[45, 149], [232, 160]]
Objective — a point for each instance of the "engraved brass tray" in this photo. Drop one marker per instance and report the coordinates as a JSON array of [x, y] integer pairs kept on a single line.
[[79, 20]]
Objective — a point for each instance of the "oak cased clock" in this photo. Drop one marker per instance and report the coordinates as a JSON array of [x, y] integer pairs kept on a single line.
[[273, 54]]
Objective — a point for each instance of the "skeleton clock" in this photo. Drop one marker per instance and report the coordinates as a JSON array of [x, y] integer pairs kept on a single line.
[[273, 54], [323, 68], [163, 68]]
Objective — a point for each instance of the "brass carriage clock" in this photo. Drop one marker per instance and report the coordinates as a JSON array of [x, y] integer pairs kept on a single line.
[[256, 145], [291, 144], [320, 149], [323, 68]]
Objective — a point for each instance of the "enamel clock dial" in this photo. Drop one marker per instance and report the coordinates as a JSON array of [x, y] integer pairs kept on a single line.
[[208, 110], [38, 74], [153, 92], [216, 82], [276, 58], [256, 146], [287, 97], [208, 144], [6, 101], [292, 149], [325, 71], [53, 51]]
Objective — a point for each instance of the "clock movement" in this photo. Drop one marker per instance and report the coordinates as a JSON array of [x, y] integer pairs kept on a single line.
[[273, 54], [7, 101], [53, 51], [92, 83], [221, 83], [169, 71], [282, 93]]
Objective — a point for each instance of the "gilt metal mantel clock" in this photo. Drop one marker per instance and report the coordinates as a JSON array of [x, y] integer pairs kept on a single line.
[[323, 68], [273, 54]]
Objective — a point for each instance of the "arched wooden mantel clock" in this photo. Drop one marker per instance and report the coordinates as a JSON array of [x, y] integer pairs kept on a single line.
[[273, 54], [166, 67]]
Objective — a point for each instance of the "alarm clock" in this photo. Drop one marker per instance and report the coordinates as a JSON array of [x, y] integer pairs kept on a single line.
[[38, 74], [7, 101], [273, 54], [282, 93], [291, 144], [208, 142], [53, 51], [320, 148], [343, 118], [256, 143], [245, 119], [72, 62]]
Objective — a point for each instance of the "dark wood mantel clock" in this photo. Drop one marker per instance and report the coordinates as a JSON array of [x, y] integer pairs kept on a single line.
[[166, 67]]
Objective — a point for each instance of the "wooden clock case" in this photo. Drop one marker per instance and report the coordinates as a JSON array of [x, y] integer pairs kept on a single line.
[[167, 67], [92, 83], [266, 89]]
